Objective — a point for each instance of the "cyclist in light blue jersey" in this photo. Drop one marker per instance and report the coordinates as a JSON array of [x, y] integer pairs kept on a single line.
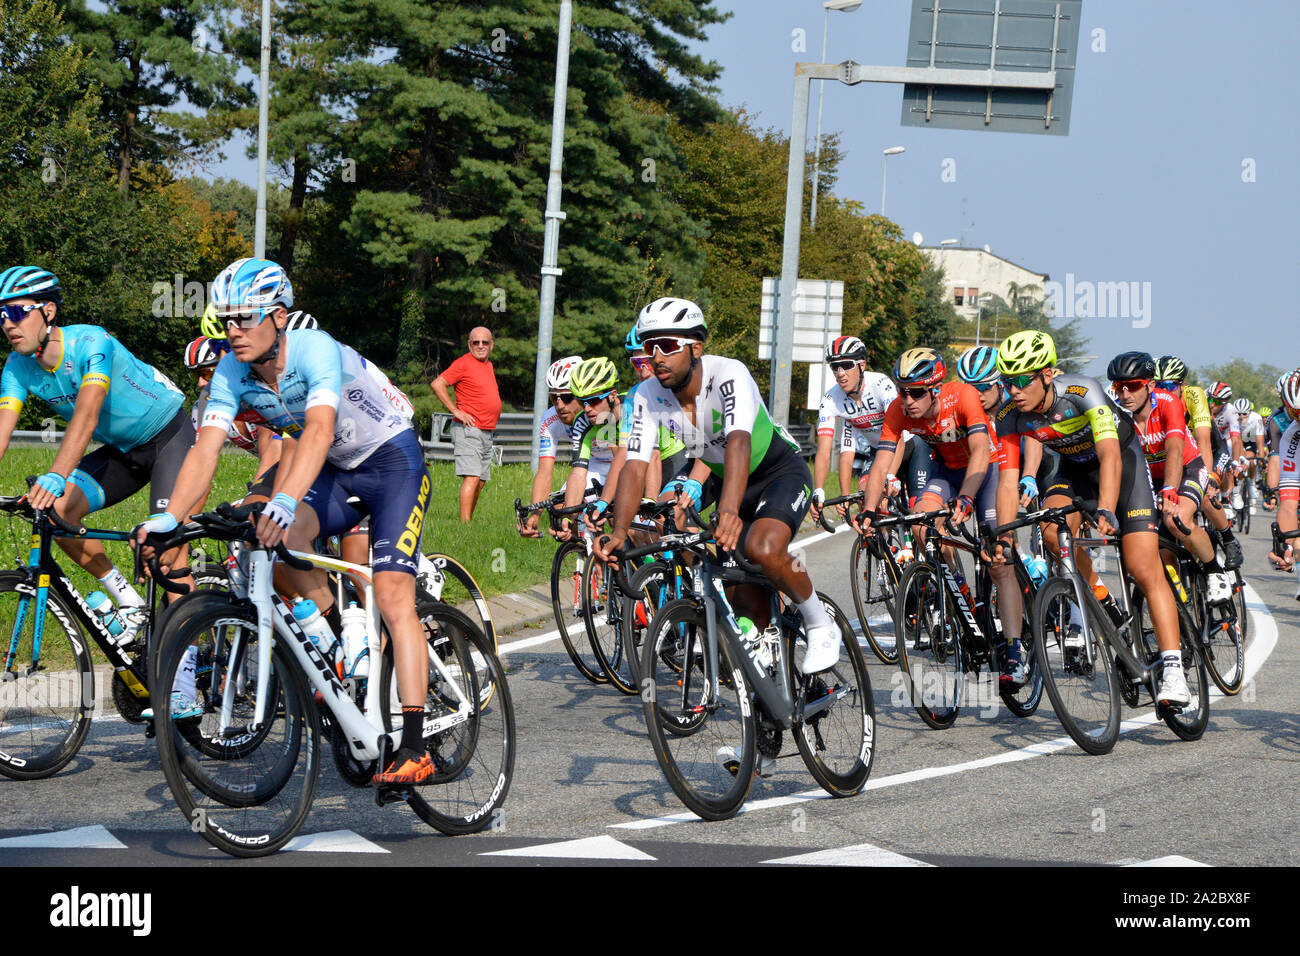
[[104, 392], [343, 437]]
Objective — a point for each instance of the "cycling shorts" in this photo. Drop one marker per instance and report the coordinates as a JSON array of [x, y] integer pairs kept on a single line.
[[107, 476], [264, 484], [1136, 507], [394, 485], [783, 493], [1195, 478], [945, 483]]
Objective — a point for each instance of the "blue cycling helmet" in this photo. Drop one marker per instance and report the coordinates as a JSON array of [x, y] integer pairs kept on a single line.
[[29, 282], [257, 283], [979, 364], [633, 341]]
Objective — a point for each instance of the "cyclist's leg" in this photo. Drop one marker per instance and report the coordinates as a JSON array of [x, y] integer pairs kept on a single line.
[[168, 451], [1190, 492]]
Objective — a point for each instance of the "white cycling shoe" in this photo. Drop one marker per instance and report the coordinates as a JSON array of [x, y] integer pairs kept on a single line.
[[1173, 688], [729, 761], [823, 648]]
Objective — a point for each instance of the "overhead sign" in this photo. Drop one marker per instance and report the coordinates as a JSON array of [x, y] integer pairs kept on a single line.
[[993, 39], [818, 315]]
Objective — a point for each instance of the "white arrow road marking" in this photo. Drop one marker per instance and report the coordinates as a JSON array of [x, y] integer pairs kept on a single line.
[[592, 848], [1169, 861], [332, 841], [863, 854], [81, 838]]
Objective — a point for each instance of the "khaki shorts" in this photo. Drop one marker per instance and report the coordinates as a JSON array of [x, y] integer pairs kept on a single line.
[[473, 450]]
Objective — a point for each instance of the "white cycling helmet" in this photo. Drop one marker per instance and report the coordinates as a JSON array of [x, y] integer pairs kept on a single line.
[[557, 376], [1291, 391], [1243, 406], [671, 316], [301, 320]]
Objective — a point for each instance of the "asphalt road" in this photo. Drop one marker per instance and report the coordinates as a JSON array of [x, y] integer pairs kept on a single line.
[[992, 789]]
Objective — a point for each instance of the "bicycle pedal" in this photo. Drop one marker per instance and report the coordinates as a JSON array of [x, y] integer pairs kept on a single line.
[[149, 730], [385, 795]]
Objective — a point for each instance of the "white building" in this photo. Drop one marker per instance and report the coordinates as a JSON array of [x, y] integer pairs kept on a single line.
[[969, 273]]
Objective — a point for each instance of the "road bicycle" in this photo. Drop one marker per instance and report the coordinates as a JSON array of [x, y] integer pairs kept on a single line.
[[1079, 644], [47, 689], [946, 631], [240, 745], [717, 703]]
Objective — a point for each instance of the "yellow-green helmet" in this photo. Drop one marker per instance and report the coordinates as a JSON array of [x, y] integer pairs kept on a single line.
[[210, 325], [594, 376], [1026, 351]]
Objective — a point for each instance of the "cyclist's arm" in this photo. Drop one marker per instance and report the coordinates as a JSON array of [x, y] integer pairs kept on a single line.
[[8, 422], [1204, 443], [1109, 469], [1175, 447], [880, 470], [543, 479], [269, 448], [85, 416], [846, 472], [822, 463], [302, 464], [1032, 458], [978, 466]]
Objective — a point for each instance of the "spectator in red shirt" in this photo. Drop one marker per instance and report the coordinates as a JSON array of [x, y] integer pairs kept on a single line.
[[476, 408]]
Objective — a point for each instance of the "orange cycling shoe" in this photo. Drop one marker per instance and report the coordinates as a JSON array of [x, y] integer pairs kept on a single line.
[[407, 768]]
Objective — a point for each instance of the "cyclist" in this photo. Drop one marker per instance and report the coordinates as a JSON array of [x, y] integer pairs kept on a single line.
[[1278, 423], [978, 367], [743, 461], [1252, 438], [669, 457], [201, 358], [950, 418], [103, 392], [1171, 375], [1100, 458], [1230, 460], [339, 441], [594, 441], [1288, 489], [850, 417], [554, 433], [1172, 456]]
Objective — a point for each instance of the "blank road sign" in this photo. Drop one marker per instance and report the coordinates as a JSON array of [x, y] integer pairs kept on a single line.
[[1013, 36]]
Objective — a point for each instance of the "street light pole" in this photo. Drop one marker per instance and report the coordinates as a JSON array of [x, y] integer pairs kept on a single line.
[[259, 217], [847, 6], [892, 151]]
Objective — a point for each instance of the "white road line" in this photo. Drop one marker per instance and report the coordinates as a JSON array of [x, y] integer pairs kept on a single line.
[[864, 854], [81, 838], [1262, 626], [590, 848]]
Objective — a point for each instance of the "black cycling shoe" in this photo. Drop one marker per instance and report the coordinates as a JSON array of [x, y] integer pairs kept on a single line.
[[1232, 556]]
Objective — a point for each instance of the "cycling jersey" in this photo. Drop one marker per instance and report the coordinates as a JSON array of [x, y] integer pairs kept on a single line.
[[247, 442], [552, 434], [857, 421], [960, 416], [1227, 424], [1288, 480], [593, 446], [1277, 425], [1167, 417], [669, 445], [1197, 405], [141, 400], [1009, 445], [729, 401], [1252, 429], [317, 371], [1081, 414]]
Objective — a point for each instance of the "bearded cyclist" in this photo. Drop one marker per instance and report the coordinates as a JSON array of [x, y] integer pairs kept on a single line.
[[744, 461], [1100, 458]]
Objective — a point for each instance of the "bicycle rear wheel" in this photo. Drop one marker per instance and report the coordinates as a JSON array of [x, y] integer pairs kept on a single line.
[[929, 645], [44, 713], [873, 600], [602, 611], [566, 603], [1084, 692], [248, 790], [836, 737], [700, 721], [1023, 701], [475, 757]]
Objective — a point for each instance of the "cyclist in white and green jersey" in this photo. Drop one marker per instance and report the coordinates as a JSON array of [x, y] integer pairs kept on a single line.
[[743, 460]]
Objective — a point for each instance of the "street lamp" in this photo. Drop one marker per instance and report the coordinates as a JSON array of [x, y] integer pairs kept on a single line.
[[844, 6], [948, 242], [892, 151]]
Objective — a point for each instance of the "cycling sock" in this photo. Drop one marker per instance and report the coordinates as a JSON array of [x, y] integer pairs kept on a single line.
[[412, 729], [120, 590], [1172, 659], [814, 614]]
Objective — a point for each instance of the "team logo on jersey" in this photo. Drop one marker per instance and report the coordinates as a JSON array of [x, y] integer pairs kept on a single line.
[[1076, 390]]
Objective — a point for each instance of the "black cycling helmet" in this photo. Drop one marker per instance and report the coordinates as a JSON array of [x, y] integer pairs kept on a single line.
[[1131, 365]]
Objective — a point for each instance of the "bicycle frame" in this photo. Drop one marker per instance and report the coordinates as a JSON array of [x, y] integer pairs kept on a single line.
[[363, 729]]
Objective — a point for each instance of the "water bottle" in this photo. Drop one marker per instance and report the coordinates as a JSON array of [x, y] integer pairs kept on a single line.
[[99, 603], [1037, 568], [314, 625], [753, 640], [356, 641]]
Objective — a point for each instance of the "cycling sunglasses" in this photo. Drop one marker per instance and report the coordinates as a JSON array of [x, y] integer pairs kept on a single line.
[[1021, 381], [666, 345], [639, 361], [1130, 384], [245, 319], [596, 399], [16, 313], [844, 366], [564, 398], [984, 386], [915, 394]]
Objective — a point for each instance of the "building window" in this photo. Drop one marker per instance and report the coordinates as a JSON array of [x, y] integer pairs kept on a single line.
[[972, 296], [957, 295]]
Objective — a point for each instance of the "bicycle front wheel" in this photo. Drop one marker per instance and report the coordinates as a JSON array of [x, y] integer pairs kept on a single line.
[[567, 604], [929, 645], [873, 600], [45, 704], [475, 756], [602, 611], [700, 720], [1078, 668], [247, 789], [837, 730]]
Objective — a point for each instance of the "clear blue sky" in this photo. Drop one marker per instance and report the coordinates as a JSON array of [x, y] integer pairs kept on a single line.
[[1146, 188]]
